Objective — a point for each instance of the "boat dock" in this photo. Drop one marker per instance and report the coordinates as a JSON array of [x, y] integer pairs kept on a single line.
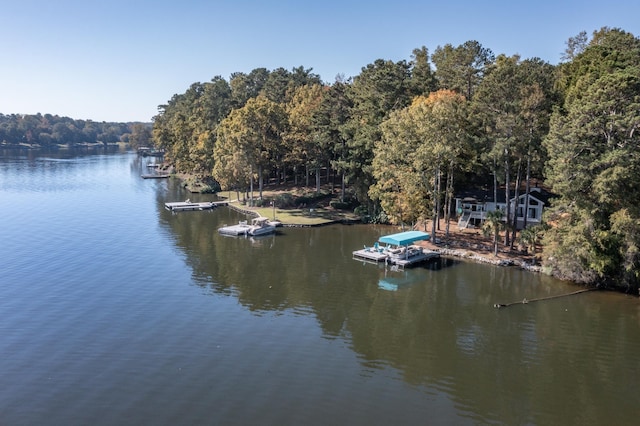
[[422, 256], [155, 176], [242, 228], [371, 254], [414, 255], [398, 250], [188, 205], [146, 151]]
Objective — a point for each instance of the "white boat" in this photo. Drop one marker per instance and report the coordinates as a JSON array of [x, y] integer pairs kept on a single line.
[[261, 226]]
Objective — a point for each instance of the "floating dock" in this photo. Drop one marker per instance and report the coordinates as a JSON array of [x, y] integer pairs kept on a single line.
[[181, 206], [242, 228], [371, 254], [398, 250], [150, 152], [154, 176], [186, 206]]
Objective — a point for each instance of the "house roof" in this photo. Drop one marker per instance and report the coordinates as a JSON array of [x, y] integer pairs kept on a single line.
[[482, 196]]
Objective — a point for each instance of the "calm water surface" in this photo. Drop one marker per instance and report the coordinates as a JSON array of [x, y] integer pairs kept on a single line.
[[116, 311]]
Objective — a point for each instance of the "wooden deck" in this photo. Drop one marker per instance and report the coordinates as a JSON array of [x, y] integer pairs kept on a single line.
[[370, 254], [241, 228], [423, 256]]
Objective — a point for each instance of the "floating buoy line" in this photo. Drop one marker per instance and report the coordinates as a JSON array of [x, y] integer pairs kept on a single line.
[[526, 301]]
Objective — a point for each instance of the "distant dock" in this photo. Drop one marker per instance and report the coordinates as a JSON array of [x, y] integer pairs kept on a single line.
[[150, 152], [181, 206], [155, 176]]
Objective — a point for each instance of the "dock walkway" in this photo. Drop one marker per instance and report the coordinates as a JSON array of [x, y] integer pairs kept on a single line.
[[188, 205]]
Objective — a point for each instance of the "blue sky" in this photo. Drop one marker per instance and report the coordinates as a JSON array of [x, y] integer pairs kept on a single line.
[[117, 60]]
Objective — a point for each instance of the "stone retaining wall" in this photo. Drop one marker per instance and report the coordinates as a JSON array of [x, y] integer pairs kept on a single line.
[[465, 254]]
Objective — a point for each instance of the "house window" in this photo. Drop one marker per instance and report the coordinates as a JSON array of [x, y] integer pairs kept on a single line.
[[533, 213]]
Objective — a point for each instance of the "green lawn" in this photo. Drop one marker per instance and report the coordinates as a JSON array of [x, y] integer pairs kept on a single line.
[[318, 216], [308, 216]]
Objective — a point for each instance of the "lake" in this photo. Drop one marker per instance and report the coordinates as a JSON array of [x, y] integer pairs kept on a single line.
[[116, 311]]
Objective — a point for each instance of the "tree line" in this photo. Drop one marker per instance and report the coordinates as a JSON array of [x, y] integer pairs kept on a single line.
[[401, 137], [49, 130]]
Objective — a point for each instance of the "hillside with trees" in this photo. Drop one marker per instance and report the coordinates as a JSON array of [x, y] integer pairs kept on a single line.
[[47, 130], [401, 138]]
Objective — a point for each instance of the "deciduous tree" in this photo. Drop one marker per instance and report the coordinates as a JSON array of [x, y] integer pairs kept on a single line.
[[420, 144], [252, 137]]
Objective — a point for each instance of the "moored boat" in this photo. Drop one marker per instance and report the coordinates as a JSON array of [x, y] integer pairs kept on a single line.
[[261, 226]]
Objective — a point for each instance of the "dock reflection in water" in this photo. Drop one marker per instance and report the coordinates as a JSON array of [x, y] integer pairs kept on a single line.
[[393, 278]]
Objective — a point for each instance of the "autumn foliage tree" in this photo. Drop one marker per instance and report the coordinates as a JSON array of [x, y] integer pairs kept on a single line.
[[420, 153], [249, 141]]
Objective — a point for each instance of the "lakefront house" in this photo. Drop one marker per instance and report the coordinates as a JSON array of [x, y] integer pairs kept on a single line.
[[473, 206]]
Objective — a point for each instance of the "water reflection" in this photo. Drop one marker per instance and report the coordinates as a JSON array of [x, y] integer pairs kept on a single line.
[[394, 279], [119, 309], [434, 325]]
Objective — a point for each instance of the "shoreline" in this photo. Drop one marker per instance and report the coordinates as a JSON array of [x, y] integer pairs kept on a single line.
[[467, 245], [471, 244], [473, 256]]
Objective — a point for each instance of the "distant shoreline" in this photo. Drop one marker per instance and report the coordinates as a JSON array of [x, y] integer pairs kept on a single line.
[[60, 146]]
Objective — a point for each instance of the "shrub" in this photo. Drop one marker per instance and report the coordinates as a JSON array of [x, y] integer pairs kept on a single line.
[[380, 218], [361, 211], [339, 205], [303, 200], [285, 201]]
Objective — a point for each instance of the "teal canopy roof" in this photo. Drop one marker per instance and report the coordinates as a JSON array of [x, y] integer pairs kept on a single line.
[[404, 238]]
